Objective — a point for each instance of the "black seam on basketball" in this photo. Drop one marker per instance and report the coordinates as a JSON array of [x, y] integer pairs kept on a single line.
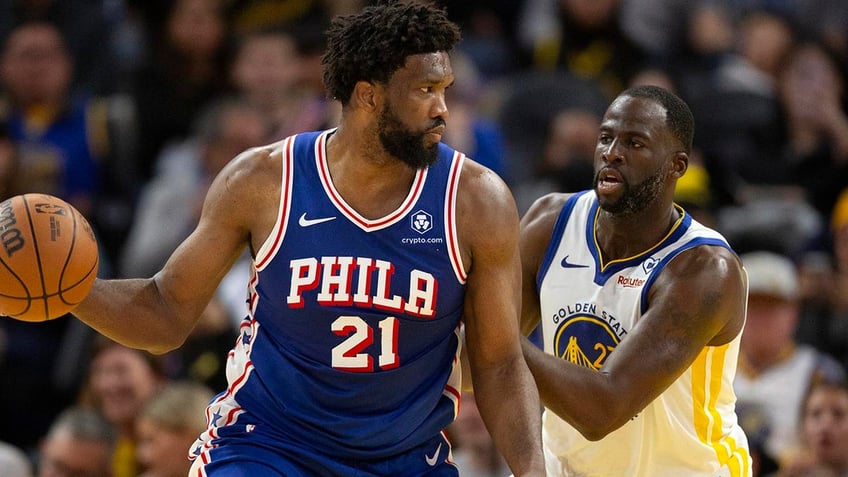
[[18, 278], [68, 257], [93, 269], [37, 256]]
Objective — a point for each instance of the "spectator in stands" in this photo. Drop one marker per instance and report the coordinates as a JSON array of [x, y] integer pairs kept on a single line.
[[826, 310], [80, 442], [775, 371], [169, 204], [185, 69], [268, 71], [824, 432], [812, 93], [84, 24], [60, 153], [567, 157], [675, 31], [121, 381], [736, 104], [471, 129], [69, 145], [583, 37], [168, 426]]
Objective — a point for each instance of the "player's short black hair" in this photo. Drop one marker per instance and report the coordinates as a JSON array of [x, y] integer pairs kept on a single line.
[[679, 117], [374, 43]]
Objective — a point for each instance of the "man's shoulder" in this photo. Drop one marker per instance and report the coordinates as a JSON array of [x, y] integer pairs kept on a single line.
[[549, 206]]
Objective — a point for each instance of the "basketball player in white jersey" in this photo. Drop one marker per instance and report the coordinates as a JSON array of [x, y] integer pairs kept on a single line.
[[641, 309]]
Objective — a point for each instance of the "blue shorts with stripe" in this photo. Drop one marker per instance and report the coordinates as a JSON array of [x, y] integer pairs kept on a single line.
[[239, 452]]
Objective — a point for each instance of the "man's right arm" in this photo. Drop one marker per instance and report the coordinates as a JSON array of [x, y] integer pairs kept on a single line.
[[698, 300], [158, 313], [537, 225]]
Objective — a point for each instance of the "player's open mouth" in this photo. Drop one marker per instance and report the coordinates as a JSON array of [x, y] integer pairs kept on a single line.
[[608, 180]]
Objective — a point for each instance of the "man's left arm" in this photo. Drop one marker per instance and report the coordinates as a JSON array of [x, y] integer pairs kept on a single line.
[[504, 389]]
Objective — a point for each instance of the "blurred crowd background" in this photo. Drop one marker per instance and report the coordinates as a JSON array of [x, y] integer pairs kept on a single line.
[[128, 108]]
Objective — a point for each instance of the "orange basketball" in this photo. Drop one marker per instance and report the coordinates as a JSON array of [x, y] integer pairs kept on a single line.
[[48, 257]]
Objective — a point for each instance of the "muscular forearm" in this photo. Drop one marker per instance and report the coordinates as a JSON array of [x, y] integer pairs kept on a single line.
[[133, 312], [563, 388], [509, 405]]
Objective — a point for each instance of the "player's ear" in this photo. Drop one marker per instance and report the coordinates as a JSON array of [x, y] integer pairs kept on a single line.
[[679, 164], [365, 95]]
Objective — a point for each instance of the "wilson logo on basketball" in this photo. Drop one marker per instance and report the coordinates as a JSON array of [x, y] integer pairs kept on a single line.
[[10, 236]]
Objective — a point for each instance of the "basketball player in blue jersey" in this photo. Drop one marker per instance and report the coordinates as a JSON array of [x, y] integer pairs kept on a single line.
[[375, 248], [641, 309]]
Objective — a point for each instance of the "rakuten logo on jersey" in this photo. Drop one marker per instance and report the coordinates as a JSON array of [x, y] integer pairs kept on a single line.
[[630, 282]]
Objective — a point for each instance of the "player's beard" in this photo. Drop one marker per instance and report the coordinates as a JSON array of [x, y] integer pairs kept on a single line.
[[637, 198], [406, 145]]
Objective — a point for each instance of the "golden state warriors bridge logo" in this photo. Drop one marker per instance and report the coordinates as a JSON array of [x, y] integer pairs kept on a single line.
[[586, 340]]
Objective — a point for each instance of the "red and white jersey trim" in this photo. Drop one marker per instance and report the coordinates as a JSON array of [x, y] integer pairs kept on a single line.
[[272, 243], [363, 223], [450, 217]]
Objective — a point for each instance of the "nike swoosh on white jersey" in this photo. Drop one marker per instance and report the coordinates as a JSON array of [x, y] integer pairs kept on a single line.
[[431, 461], [566, 264], [304, 222]]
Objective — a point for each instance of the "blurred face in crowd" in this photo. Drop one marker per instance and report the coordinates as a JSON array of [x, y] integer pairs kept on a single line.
[[241, 128], [825, 425], [162, 451], [764, 41], [572, 137], [769, 327], [197, 28], [35, 66], [266, 66], [810, 85], [121, 381], [63, 455]]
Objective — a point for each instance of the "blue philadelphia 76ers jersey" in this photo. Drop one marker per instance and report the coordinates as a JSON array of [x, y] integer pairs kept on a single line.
[[352, 340]]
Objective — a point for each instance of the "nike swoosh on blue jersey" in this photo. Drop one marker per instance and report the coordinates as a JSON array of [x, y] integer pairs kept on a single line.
[[431, 461], [566, 264], [304, 222]]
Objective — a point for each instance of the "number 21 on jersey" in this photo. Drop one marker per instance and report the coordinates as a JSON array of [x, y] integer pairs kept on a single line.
[[351, 354]]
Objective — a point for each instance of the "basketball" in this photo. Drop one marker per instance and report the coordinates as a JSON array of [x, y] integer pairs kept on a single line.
[[48, 257]]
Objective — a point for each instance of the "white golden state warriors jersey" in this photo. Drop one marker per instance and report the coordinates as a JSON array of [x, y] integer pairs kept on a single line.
[[588, 308]]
